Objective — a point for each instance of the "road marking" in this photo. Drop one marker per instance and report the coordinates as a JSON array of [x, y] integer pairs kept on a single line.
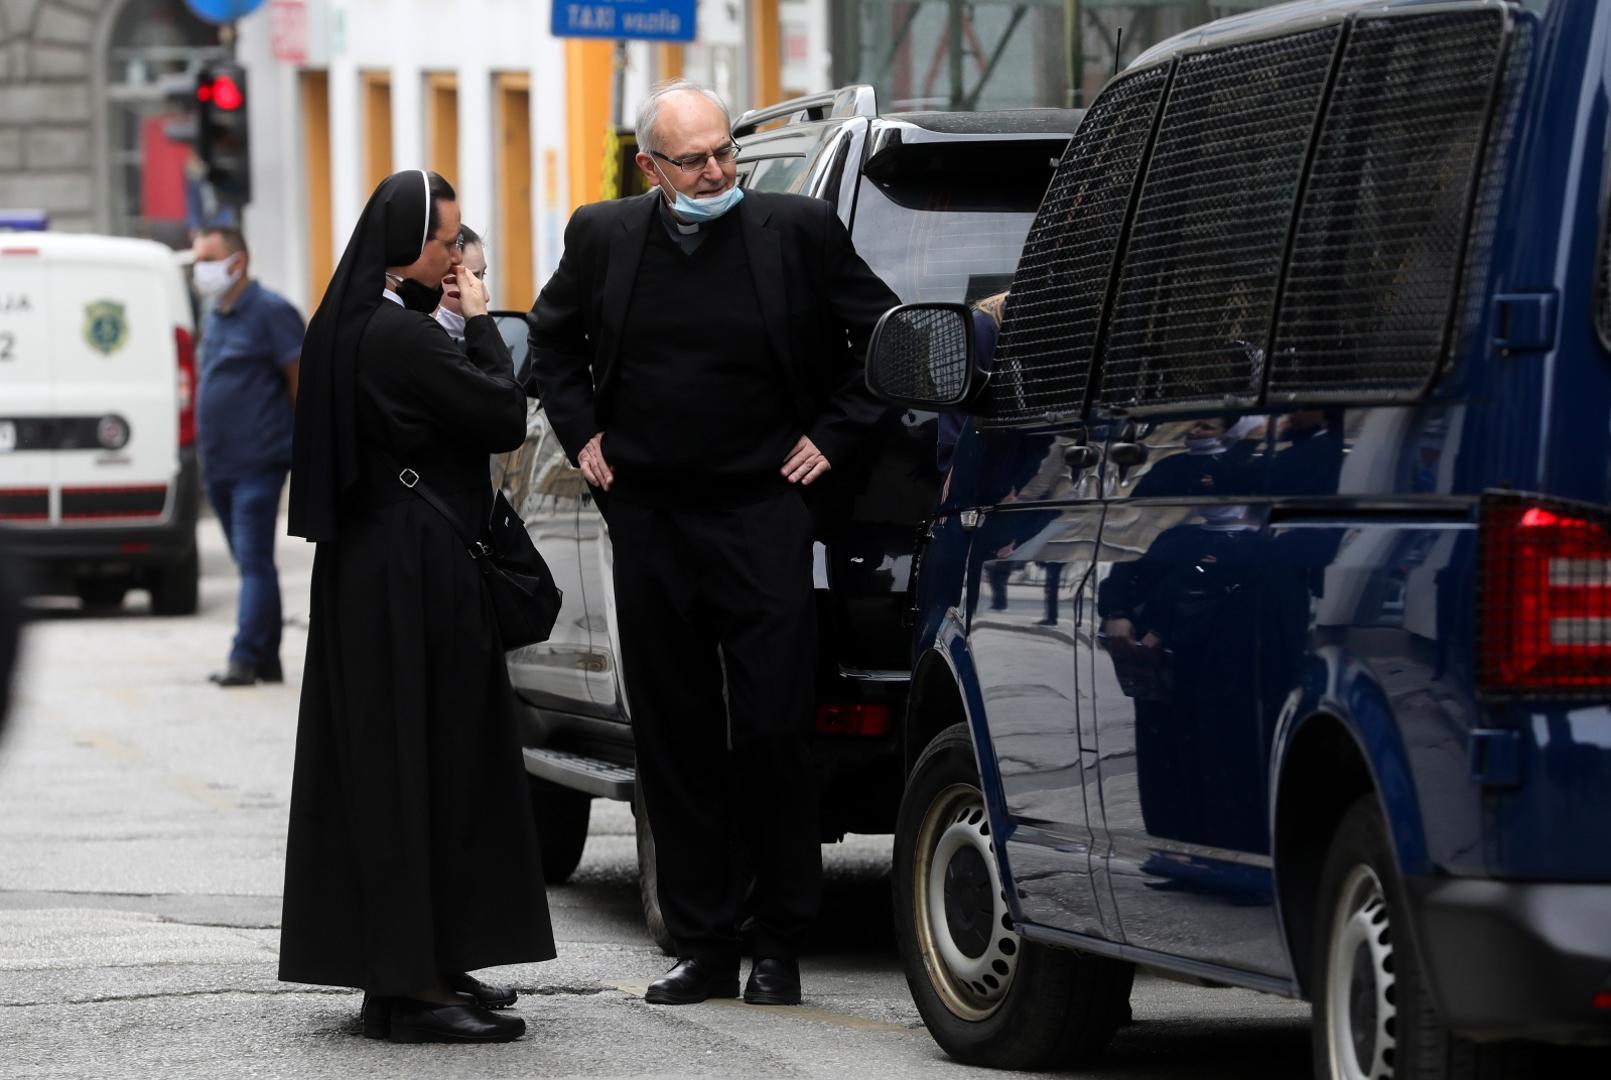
[[196, 789], [792, 1012]]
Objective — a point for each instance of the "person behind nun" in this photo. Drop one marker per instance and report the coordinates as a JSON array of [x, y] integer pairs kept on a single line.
[[472, 261], [412, 857]]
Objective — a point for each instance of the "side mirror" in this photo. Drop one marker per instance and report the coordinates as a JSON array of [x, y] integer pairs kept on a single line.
[[516, 335], [921, 356]]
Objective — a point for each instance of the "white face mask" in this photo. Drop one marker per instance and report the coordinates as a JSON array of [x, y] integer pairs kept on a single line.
[[213, 277]]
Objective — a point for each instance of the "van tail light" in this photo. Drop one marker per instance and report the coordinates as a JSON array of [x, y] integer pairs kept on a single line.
[[1544, 602], [185, 347], [852, 719]]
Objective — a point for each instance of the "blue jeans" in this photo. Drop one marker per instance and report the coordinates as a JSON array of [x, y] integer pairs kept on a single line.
[[248, 508]]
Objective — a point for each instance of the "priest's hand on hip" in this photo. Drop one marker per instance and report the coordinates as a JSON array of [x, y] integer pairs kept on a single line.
[[595, 470], [805, 462]]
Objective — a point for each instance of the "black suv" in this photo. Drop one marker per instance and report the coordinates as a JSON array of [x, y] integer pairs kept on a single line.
[[938, 204]]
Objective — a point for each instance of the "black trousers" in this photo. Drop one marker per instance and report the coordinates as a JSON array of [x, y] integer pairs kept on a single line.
[[718, 654]]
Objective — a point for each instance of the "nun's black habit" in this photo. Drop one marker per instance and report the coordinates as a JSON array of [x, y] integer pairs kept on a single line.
[[412, 852]]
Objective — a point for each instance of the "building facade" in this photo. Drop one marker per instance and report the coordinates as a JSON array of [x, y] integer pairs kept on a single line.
[[343, 92]]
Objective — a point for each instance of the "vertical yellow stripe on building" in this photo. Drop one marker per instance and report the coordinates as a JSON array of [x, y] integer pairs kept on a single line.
[[315, 87], [512, 285], [588, 71], [767, 53], [377, 87], [671, 61], [442, 124]]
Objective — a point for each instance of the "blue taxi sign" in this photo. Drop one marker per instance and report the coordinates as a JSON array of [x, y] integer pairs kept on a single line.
[[638, 20], [24, 220]]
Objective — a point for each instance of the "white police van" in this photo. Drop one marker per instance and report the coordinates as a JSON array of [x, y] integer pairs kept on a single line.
[[98, 477]]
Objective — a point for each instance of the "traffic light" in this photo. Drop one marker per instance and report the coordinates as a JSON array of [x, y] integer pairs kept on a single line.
[[221, 132]]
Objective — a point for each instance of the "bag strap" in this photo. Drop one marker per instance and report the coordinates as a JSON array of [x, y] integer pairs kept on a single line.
[[411, 480]]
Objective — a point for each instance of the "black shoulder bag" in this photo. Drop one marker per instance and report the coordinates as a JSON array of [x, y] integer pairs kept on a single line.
[[524, 597]]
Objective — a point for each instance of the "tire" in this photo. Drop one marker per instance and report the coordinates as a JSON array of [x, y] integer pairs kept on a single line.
[[987, 996], [649, 879], [176, 587], [562, 816], [101, 592], [1373, 1013]]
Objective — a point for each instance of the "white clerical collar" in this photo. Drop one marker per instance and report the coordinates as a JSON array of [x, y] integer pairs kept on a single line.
[[391, 295], [451, 321]]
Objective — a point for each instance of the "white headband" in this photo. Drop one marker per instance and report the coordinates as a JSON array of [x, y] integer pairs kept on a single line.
[[425, 231]]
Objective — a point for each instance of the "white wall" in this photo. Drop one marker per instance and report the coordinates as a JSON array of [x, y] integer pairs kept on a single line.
[[475, 39]]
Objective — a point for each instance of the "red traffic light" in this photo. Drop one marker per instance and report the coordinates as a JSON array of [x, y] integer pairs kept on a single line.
[[225, 93]]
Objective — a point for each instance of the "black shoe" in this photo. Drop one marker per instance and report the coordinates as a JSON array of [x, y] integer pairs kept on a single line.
[[692, 981], [773, 982], [486, 995], [426, 1021], [377, 1016], [270, 671], [238, 673]]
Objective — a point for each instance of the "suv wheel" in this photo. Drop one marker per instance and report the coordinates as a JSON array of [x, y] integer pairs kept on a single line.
[[988, 996], [175, 589], [562, 816], [649, 878], [1373, 1013]]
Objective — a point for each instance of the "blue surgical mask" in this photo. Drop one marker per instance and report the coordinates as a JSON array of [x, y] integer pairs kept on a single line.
[[699, 211]]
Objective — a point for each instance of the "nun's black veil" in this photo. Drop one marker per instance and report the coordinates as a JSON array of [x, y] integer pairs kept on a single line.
[[324, 454]]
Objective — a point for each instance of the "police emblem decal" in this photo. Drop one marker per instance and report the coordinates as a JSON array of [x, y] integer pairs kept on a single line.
[[105, 328]]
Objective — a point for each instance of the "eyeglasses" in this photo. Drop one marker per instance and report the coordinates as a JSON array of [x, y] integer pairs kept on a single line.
[[695, 162], [457, 243]]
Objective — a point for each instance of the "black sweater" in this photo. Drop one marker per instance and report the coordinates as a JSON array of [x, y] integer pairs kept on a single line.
[[702, 411]]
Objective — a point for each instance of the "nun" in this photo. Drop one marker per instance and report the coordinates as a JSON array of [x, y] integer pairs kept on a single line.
[[412, 858]]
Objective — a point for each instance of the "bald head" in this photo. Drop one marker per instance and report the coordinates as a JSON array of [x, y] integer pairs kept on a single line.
[[677, 96]]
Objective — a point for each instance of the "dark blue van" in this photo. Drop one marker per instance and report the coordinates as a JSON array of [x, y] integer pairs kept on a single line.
[[1263, 634]]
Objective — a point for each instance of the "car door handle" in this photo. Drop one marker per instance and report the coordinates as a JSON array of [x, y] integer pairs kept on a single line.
[[1080, 456], [1127, 453]]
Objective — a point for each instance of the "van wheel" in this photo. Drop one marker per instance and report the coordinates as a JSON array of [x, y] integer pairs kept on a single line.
[[175, 588], [988, 996], [101, 592], [562, 816], [1373, 1014], [649, 878]]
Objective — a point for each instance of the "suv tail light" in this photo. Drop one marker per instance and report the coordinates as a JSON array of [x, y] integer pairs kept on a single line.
[[1544, 603], [185, 348], [852, 719]]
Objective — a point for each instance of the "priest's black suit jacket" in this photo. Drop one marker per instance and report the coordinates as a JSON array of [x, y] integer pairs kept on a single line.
[[818, 299]]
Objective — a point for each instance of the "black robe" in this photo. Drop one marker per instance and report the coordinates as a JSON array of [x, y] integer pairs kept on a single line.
[[412, 849]]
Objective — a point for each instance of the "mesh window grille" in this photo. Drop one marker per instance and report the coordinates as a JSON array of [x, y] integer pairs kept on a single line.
[[1376, 257], [1043, 359], [1198, 288]]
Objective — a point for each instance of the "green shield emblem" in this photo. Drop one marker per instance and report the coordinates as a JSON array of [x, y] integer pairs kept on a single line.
[[105, 328]]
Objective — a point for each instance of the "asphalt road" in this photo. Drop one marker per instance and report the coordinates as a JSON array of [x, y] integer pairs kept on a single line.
[[142, 833]]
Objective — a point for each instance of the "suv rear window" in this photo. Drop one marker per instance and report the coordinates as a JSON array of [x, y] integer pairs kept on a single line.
[[946, 239]]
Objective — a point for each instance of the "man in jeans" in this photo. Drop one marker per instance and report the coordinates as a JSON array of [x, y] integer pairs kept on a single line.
[[250, 345]]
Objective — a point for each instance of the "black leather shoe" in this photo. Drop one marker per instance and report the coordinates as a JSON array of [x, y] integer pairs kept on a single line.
[[692, 981], [486, 995], [377, 1015], [426, 1021], [773, 982], [270, 671], [236, 674]]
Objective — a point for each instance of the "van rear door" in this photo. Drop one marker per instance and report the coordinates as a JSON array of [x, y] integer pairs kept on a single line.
[[27, 399], [116, 392]]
